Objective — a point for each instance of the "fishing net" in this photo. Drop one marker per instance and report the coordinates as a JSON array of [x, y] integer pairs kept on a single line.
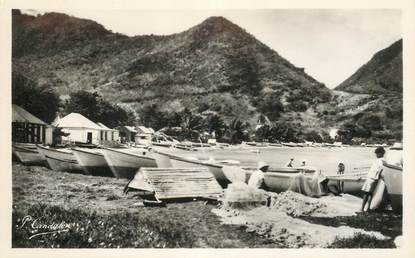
[[240, 195], [307, 186]]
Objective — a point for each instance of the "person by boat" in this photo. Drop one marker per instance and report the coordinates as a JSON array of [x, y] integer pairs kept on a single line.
[[340, 171], [336, 186], [290, 163], [373, 177], [303, 163], [257, 178]]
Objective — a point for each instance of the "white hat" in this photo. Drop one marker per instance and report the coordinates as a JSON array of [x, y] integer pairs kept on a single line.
[[262, 164]]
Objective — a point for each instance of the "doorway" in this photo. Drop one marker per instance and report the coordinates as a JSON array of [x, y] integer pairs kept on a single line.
[[89, 137]]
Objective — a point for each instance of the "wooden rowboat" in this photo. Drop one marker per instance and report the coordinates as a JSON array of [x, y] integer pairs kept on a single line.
[[27, 154], [124, 163], [60, 159], [352, 183], [168, 160], [92, 162]]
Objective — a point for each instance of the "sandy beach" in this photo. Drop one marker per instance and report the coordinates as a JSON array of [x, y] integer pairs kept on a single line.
[[96, 213]]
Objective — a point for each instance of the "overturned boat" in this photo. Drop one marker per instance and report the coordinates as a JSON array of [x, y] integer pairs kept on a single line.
[[92, 162], [125, 162], [60, 159]]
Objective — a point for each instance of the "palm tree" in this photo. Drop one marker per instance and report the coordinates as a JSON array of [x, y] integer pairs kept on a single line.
[[236, 131]]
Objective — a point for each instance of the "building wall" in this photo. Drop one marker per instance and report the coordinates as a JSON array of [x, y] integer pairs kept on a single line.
[[109, 136], [49, 135], [81, 134]]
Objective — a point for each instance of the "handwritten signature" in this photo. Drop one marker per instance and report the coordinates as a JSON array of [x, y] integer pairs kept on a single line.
[[40, 227]]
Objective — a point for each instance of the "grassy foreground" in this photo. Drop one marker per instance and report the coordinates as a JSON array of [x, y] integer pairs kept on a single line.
[[93, 212]]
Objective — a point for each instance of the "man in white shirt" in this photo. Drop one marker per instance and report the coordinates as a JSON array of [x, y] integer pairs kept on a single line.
[[257, 177], [373, 177]]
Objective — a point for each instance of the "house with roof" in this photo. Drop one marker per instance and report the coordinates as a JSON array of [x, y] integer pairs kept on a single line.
[[127, 133], [80, 129], [27, 128], [108, 134], [144, 134]]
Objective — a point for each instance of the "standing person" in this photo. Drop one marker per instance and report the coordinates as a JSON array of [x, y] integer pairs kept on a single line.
[[257, 177], [340, 171], [290, 163], [373, 177]]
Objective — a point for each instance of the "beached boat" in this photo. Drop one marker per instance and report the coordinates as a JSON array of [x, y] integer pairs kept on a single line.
[[393, 179], [27, 154], [162, 144], [352, 183], [124, 163], [289, 144], [92, 162], [60, 159], [280, 182], [278, 179], [168, 160]]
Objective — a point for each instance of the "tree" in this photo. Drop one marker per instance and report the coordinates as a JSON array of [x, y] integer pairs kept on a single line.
[[313, 136], [215, 123], [236, 131], [150, 116], [95, 108], [285, 132], [263, 133], [85, 103], [43, 102], [271, 106], [191, 124]]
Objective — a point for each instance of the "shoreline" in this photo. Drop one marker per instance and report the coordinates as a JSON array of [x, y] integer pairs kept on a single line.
[[106, 217]]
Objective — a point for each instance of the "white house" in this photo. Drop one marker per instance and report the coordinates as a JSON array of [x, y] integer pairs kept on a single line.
[[80, 129], [108, 134]]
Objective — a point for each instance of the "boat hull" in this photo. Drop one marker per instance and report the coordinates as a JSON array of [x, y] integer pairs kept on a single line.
[[28, 154], [393, 179], [167, 160], [352, 183], [60, 160], [125, 164], [277, 181], [93, 162]]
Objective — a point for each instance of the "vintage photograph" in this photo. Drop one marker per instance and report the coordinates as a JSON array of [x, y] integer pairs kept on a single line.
[[253, 128]]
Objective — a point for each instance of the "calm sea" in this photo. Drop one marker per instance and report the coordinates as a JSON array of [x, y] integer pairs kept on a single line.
[[324, 159]]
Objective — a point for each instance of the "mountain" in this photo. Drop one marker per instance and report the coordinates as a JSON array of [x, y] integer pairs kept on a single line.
[[369, 103], [381, 75], [215, 66]]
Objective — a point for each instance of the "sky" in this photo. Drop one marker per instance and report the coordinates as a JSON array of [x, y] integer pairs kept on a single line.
[[331, 44]]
